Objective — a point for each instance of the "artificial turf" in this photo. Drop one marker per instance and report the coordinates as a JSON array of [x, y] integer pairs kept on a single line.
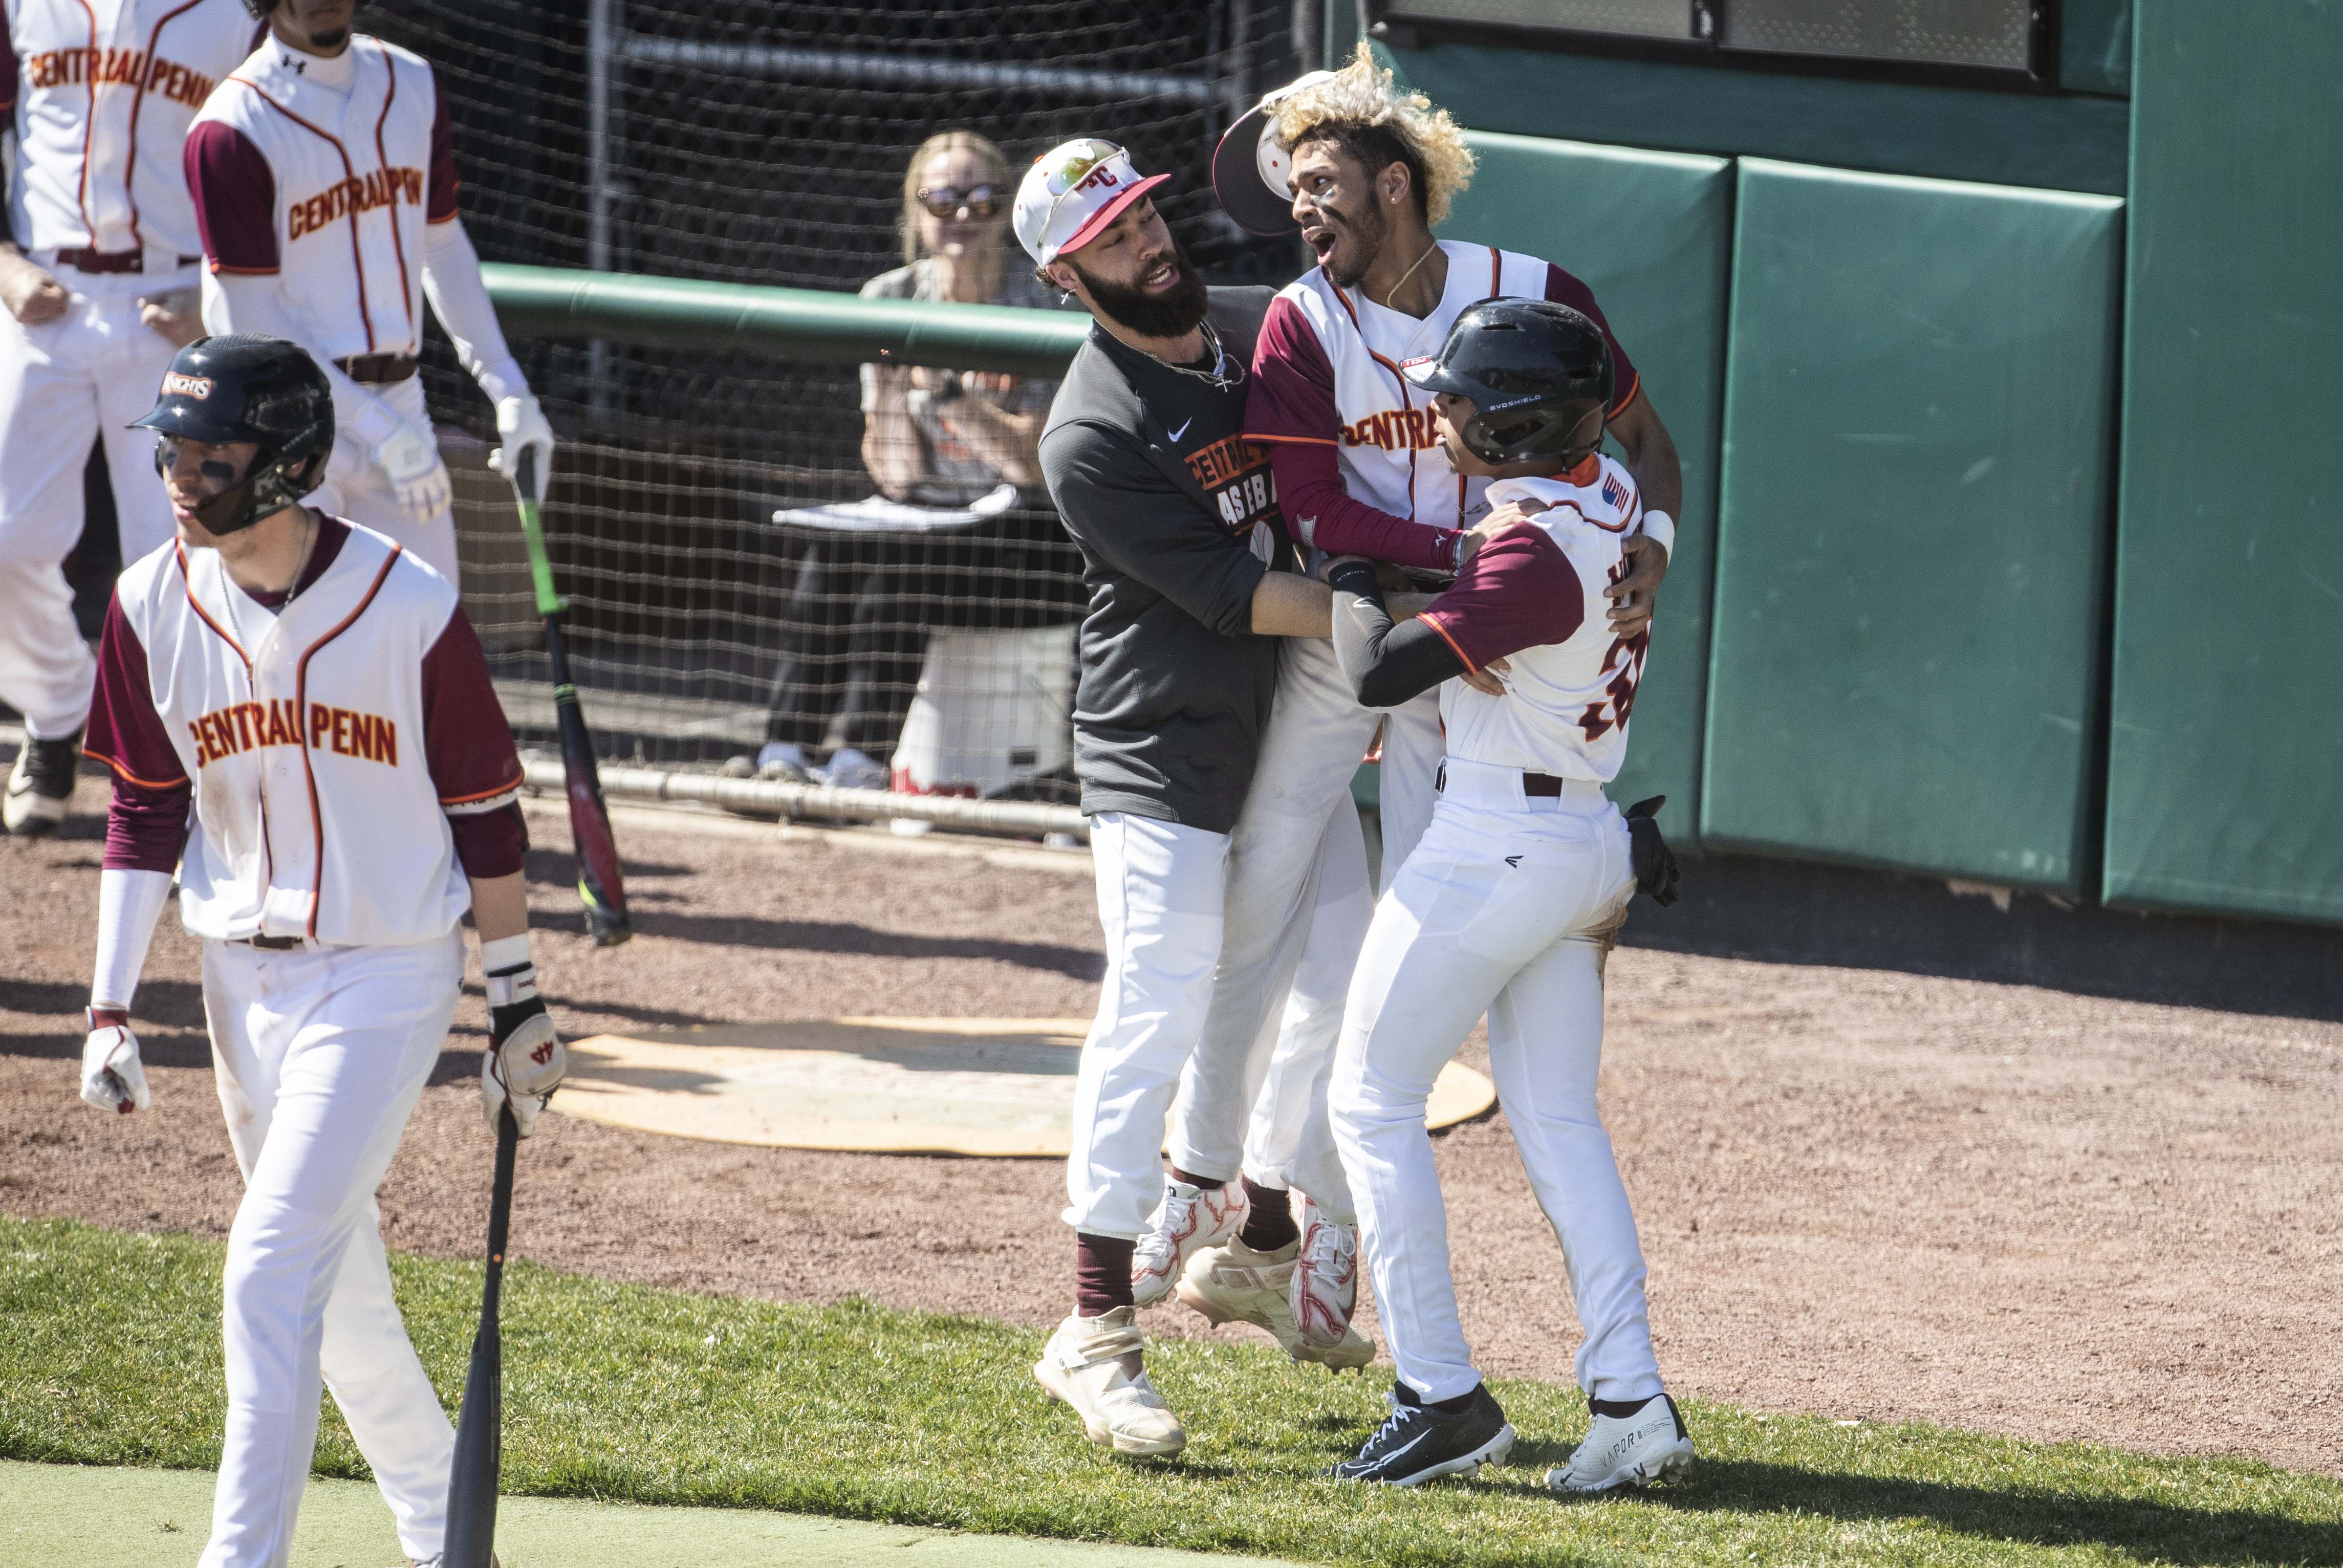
[[109, 1354]]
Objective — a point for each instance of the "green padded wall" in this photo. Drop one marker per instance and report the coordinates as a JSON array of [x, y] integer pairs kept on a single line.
[[2226, 748], [1650, 233], [1918, 407]]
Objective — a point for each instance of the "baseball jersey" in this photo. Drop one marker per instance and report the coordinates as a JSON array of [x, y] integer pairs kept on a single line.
[[1327, 377], [104, 93], [325, 746], [323, 172], [1533, 597]]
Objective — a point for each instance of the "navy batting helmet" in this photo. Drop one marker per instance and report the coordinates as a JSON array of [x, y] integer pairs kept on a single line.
[[248, 387], [1539, 376]]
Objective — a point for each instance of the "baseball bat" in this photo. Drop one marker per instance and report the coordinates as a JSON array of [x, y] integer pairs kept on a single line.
[[600, 883], [479, 1427]]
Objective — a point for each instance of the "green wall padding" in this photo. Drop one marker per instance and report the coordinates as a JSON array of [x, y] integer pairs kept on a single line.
[[2226, 743], [1650, 233], [1919, 406]]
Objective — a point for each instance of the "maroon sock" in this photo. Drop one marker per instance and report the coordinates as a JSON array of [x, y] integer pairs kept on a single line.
[[1269, 1218], [1101, 1274], [1209, 1184]]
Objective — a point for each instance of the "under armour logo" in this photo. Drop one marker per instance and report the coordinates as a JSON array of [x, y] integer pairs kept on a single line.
[[1512, 860]]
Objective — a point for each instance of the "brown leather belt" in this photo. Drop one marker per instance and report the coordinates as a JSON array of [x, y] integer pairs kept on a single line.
[[1532, 784], [271, 944], [88, 259], [375, 369]]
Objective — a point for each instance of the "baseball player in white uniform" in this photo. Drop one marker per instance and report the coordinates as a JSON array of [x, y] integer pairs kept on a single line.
[[299, 719], [1362, 171], [98, 279], [324, 175], [1509, 903]]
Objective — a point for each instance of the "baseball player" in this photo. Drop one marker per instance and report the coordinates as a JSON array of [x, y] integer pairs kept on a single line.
[[324, 175], [97, 278], [1363, 172], [1511, 900], [1192, 584], [299, 719]]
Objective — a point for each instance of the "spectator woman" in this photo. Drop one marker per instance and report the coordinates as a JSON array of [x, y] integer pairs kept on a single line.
[[856, 629]]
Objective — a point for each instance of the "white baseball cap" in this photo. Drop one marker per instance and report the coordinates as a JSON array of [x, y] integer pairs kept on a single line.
[[1071, 192], [1250, 168]]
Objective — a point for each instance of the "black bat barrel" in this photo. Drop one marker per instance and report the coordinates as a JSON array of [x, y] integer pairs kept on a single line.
[[480, 1426]]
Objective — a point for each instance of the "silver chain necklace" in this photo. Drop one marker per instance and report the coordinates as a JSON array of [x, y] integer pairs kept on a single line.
[[1224, 374], [308, 540]]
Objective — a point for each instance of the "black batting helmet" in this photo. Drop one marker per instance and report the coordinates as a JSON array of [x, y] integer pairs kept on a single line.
[[1539, 376], [248, 387]]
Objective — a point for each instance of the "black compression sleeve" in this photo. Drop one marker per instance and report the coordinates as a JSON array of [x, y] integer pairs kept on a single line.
[[1385, 665]]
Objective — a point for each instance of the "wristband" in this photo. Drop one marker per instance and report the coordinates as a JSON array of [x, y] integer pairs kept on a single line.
[[1354, 576], [1661, 529], [506, 967]]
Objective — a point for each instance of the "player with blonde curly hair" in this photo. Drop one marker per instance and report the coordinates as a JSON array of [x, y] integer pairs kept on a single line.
[[1361, 169]]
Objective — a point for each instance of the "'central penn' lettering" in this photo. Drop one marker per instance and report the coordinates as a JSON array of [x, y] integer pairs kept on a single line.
[[242, 727]]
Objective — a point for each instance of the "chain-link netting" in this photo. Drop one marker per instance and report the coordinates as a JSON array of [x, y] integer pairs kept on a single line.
[[770, 144]]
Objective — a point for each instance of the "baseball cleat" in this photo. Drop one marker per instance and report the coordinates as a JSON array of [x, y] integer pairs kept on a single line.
[[1419, 1444], [1233, 1283], [1627, 1450], [1325, 1293], [40, 786], [1191, 1219], [1094, 1365]]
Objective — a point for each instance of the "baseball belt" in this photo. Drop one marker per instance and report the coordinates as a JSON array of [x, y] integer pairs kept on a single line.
[[92, 260], [376, 369], [269, 944], [1533, 784]]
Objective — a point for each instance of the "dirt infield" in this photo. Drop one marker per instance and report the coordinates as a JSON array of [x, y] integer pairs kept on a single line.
[[1861, 1192]]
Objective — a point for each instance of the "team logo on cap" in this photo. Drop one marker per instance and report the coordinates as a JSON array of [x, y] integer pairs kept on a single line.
[[1082, 166], [177, 385]]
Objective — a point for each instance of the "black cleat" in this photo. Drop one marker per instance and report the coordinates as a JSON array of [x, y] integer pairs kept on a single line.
[[40, 786], [1419, 1444]]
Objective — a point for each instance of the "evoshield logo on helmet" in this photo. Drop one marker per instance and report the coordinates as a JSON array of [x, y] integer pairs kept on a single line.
[[177, 385]]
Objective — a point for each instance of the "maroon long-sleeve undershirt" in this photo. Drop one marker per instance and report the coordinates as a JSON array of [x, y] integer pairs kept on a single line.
[[1317, 508]]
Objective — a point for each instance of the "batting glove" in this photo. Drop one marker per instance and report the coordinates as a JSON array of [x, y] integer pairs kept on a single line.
[[1654, 863], [524, 1062], [520, 424], [409, 458], [111, 1077]]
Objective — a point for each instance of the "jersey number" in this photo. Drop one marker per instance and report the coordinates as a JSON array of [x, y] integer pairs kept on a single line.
[[1626, 655]]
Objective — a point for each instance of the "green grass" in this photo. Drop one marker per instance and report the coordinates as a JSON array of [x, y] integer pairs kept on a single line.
[[109, 1354]]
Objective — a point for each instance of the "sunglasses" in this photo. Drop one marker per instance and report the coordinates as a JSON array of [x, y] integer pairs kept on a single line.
[[946, 201]]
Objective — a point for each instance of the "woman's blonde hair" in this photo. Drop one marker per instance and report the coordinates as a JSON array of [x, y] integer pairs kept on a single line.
[[1364, 112], [995, 174]]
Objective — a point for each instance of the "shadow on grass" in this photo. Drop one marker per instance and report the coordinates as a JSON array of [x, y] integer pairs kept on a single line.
[[2140, 1527]]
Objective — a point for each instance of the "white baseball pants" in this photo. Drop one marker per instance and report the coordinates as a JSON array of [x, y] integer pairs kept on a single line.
[[1317, 733], [64, 383], [1160, 890], [320, 1056], [1507, 908], [357, 490]]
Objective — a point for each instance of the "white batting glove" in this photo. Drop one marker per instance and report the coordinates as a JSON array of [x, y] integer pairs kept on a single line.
[[409, 458], [520, 424], [111, 1076], [523, 1065]]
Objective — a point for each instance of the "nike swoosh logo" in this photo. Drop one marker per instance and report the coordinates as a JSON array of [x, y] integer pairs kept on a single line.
[[1183, 429]]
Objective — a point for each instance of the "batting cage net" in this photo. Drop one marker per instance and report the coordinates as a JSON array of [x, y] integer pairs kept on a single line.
[[770, 144]]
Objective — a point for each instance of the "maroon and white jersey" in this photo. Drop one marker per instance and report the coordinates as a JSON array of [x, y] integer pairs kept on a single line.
[[104, 91], [1359, 469], [348, 763], [323, 172], [1533, 597]]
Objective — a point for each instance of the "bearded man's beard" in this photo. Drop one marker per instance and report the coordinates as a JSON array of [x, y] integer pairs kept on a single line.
[[1366, 233], [1174, 313]]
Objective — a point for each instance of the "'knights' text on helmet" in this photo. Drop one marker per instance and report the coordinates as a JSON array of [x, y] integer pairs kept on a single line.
[[248, 387], [1539, 376]]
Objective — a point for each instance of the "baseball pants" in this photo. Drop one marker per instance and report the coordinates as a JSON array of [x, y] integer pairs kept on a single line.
[[64, 383], [1317, 732], [356, 489], [1507, 906], [1161, 888], [320, 1056]]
